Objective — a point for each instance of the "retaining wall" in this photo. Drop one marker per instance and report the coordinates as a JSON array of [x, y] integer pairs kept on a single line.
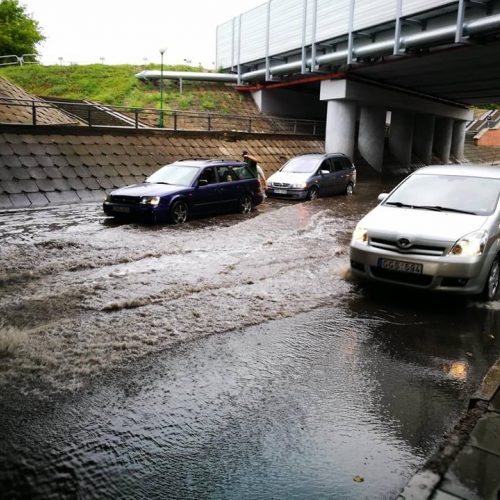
[[488, 137], [40, 166]]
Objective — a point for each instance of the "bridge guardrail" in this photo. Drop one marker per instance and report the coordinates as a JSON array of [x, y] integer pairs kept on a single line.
[[93, 115]]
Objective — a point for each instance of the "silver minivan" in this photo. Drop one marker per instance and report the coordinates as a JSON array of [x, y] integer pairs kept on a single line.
[[308, 176], [439, 229]]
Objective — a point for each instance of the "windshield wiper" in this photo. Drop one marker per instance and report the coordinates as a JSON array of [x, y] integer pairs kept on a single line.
[[439, 208], [399, 204]]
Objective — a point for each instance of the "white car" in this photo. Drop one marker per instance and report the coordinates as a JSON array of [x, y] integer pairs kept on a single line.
[[439, 229]]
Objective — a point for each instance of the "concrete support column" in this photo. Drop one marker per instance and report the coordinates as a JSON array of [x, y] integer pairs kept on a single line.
[[423, 135], [442, 138], [340, 127], [371, 136], [401, 136], [458, 139]]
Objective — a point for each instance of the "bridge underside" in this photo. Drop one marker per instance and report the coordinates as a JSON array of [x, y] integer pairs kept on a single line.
[[421, 98], [415, 72], [468, 73]]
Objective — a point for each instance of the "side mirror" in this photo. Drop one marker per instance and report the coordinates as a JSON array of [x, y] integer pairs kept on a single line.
[[382, 196], [324, 172], [202, 182]]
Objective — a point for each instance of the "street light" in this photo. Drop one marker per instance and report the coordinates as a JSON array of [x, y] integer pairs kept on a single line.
[[160, 122]]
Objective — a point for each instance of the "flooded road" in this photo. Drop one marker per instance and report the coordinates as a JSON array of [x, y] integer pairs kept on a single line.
[[113, 384]]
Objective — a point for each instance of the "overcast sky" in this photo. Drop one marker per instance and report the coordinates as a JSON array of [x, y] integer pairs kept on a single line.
[[125, 31]]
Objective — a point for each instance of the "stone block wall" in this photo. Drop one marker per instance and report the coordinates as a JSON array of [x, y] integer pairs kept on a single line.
[[40, 166]]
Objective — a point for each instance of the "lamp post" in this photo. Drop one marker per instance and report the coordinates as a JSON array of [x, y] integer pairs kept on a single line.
[[160, 122]]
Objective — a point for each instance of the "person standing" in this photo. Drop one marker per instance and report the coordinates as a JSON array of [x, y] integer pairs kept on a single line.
[[262, 179], [251, 163]]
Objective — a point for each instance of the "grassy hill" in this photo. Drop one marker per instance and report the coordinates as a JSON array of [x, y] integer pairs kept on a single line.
[[117, 85]]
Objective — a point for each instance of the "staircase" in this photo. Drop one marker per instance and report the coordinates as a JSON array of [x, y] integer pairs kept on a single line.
[[488, 119], [93, 113]]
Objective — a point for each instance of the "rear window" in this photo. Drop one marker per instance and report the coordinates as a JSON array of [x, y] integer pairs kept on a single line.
[[226, 174], [242, 172]]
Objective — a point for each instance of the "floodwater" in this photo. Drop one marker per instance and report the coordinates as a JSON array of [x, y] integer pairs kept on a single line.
[[231, 357]]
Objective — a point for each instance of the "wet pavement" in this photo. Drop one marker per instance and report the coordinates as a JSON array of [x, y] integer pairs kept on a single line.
[[228, 358]]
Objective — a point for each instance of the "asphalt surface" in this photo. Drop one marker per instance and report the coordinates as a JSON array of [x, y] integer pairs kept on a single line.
[[232, 357]]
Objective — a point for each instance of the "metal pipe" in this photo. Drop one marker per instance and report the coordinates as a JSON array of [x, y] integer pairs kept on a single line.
[[483, 24], [429, 37], [287, 68], [445, 34], [187, 75], [333, 57], [254, 75], [379, 48]]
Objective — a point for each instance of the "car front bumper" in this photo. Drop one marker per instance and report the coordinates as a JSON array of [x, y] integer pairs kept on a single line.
[[462, 275], [136, 210], [290, 193]]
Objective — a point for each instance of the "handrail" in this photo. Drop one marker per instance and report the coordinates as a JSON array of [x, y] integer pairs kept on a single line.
[[487, 123], [87, 114], [18, 59]]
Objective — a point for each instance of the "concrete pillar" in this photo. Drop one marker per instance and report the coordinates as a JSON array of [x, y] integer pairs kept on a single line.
[[423, 135], [401, 136], [442, 138], [458, 139], [371, 136], [340, 127]]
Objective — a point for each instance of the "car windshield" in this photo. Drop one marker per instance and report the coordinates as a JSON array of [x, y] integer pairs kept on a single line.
[[300, 165], [447, 193], [180, 175]]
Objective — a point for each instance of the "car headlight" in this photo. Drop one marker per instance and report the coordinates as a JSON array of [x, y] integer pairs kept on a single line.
[[360, 235], [107, 197], [150, 200], [300, 185], [471, 245]]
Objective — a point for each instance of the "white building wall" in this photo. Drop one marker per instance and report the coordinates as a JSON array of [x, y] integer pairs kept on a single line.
[[287, 23]]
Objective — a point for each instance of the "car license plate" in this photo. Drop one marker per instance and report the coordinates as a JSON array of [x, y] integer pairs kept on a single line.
[[399, 265], [280, 191], [122, 210]]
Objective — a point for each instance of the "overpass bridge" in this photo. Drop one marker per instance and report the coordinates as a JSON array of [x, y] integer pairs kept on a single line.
[[418, 64]]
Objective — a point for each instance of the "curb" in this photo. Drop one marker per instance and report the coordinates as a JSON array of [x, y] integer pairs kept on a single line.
[[462, 446]]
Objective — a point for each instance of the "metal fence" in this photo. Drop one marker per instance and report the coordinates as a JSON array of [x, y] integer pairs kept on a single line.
[[43, 112], [13, 60]]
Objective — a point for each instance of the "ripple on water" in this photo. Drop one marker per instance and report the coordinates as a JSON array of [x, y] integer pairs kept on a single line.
[[295, 409]]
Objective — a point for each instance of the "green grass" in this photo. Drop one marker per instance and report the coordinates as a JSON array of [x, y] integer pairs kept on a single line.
[[114, 85]]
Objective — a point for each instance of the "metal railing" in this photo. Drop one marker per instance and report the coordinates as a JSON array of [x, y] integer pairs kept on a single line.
[[490, 120], [12, 60], [37, 112]]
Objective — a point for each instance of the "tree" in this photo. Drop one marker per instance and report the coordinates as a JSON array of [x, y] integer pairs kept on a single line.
[[19, 33]]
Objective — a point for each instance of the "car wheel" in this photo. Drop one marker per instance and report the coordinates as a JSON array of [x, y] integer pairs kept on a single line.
[[245, 205], [349, 189], [313, 193], [492, 282], [178, 212]]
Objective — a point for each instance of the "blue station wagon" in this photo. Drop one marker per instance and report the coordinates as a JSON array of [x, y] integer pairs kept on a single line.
[[188, 187]]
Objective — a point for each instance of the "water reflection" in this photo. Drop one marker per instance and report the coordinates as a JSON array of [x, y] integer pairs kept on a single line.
[[289, 408], [457, 370], [298, 408]]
